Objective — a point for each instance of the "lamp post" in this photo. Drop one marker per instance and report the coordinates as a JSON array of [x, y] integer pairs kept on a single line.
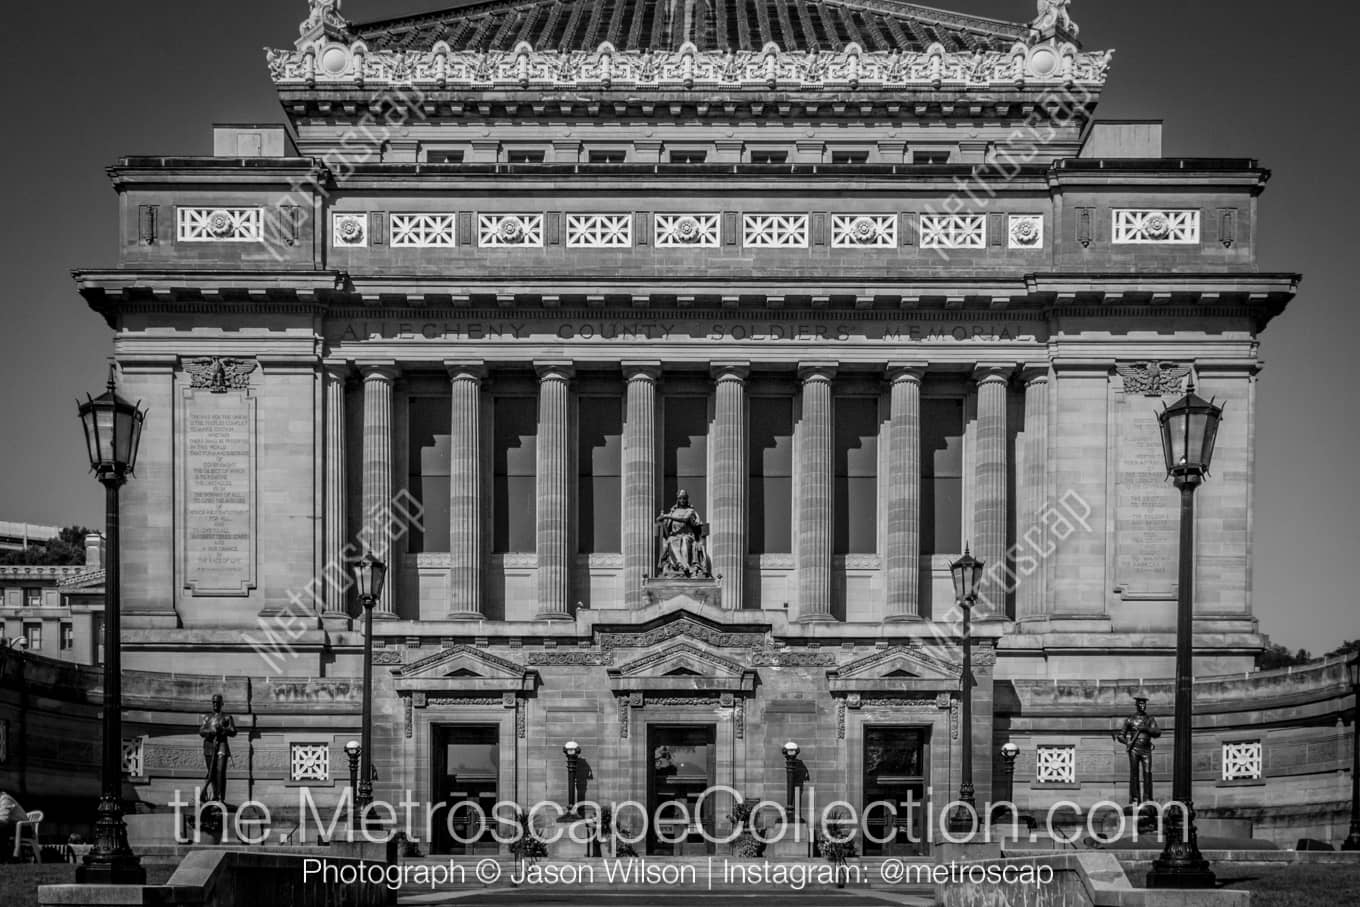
[[572, 750], [352, 750], [1189, 429], [369, 574], [113, 431], [1008, 753], [791, 751], [1352, 841], [967, 572]]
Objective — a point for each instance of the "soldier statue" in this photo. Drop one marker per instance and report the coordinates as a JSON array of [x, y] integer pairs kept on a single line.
[[1137, 734], [215, 731], [683, 555]]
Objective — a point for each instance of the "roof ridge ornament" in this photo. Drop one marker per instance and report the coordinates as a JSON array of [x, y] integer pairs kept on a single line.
[[323, 20], [1054, 19]]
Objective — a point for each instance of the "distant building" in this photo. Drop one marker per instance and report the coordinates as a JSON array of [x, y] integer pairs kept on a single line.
[[21, 536], [56, 611]]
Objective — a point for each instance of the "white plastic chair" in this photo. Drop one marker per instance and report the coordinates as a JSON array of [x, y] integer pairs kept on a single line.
[[28, 841]]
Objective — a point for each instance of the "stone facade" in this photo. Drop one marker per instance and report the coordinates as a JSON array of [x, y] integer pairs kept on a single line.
[[820, 256]]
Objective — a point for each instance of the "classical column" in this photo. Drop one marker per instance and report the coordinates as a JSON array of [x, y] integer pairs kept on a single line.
[[336, 568], [902, 560], [465, 491], [376, 534], [1032, 492], [639, 478], [728, 544], [815, 505], [553, 535], [989, 489]]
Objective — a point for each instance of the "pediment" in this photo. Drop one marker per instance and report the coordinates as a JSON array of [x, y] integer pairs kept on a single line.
[[898, 669], [682, 666], [466, 669]]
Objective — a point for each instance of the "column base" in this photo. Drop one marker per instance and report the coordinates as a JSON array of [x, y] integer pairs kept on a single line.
[[465, 615], [903, 619], [553, 616], [816, 619], [336, 621]]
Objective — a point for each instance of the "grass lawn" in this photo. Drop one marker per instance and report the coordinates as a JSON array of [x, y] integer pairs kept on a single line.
[[1305, 885], [19, 881]]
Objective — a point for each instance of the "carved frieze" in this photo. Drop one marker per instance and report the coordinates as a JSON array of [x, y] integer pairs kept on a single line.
[[219, 376], [587, 657], [387, 656], [783, 658], [1153, 379], [684, 627]]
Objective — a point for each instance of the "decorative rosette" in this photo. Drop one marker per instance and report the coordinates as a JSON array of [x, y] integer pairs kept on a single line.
[[220, 223], [1025, 231], [1157, 226], [510, 230], [864, 230], [351, 230], [687, 229]]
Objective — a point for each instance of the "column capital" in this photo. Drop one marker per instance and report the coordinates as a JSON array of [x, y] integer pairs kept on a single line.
[[817, 371], [912, 372], [339, 369], [465, 369], [730, 371], [1034, 372], [378, 369], [649, 370], [985, 372], [555, 370]]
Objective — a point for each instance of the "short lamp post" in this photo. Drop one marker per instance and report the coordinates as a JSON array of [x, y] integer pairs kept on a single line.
[[1189, 430], [369, 575], [113, 431], [352, 750], [572, 750], [967, 573], [1352, 841], [791, 751], [1009, 751]]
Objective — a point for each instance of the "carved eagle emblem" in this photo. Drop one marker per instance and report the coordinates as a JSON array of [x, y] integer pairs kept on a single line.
[[219, 375], [1153, 379]]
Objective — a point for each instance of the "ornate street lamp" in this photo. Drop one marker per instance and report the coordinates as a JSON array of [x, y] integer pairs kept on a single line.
[[1352, 841], [1189, 429], [352, 750], [369, 575], [791, 751], [572, 750], [1008, 753], [113, 431], [967, 573]]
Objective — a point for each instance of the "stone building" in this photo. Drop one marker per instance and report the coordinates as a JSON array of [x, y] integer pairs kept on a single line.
[[56, 610], [868, 280]]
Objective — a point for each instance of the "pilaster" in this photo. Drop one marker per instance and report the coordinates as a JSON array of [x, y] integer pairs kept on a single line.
[[639, 478], [466, 561], [553, 531], [989, 483], [336, 567], [902, 549], [376, 532], [1032, 493], [815, 504], [728, 548]]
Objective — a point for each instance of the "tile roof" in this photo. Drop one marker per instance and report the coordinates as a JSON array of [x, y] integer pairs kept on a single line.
[[711, 25]]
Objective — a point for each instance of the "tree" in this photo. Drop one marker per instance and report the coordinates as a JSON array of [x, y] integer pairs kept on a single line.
[[66, 549], [1277, 656], [1349, 647]]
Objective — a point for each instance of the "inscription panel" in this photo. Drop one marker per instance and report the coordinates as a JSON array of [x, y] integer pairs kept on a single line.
[[218, 493], [1147, 515]]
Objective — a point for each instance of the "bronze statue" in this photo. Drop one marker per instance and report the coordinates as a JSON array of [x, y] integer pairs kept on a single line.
[[215, 730], [1137, 734], [683, 555]]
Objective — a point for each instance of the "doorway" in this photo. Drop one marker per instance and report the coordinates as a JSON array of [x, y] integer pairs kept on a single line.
[[895, 772], [682, 761], [466, 767]]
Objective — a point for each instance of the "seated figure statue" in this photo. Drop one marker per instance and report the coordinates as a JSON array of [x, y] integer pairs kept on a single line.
[[683, 555]]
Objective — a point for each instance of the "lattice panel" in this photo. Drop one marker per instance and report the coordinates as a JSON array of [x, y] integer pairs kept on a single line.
[[953, 231], [1243, 761], [599, 231], [1026, 231], [863, 231], [1055, 764], [1167, 227], [219, 224], [424, 231], [309, 762], [496, 230], [775, 231], [134, 761], [699, 230], [350, 231]]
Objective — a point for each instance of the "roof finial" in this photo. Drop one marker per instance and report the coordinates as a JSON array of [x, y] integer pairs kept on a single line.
[[1053, 18]]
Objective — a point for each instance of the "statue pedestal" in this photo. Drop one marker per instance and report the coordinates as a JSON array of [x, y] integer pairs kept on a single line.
[[659, 590]]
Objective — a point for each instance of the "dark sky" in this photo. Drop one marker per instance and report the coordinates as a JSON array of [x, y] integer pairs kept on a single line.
[[1233, 78]]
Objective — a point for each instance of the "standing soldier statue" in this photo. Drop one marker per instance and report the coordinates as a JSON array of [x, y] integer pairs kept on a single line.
[[1137, 734], [215, 730]]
